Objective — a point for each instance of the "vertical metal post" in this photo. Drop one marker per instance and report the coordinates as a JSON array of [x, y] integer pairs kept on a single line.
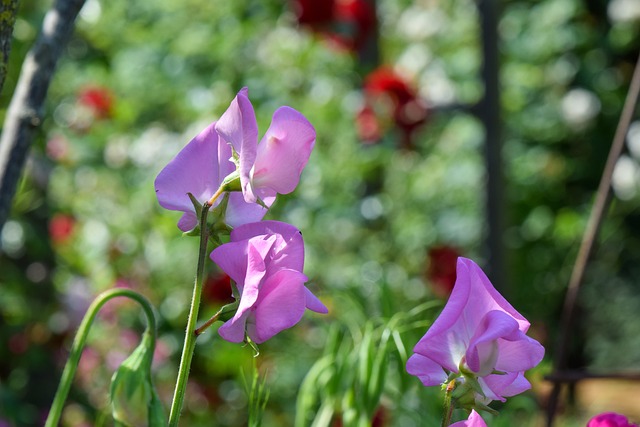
[[488, 111]]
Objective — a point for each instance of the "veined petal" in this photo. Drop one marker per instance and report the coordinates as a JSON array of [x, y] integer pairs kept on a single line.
[[280, 305], [238, 127], [428, 371], [193, 170], [283, 151]]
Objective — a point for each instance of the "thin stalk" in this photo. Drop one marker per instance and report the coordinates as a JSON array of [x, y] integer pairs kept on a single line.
[[190, 335], [208, 323], [448, 404], [81, 337]]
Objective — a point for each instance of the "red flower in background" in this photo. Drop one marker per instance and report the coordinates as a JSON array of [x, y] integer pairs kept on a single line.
[[98, 99], [61, 227], [314, 13], [217, 289], [389, 95], [355, 22], [441, 272], [348, 23]]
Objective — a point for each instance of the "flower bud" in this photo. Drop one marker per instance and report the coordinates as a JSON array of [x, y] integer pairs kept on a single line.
[[134, 401]]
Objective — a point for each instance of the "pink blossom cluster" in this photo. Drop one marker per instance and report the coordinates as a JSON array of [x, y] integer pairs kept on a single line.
[[226, 167]]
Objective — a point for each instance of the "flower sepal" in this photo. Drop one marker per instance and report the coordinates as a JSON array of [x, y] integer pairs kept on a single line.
[[467, 394], [228, 311], [231, 182]]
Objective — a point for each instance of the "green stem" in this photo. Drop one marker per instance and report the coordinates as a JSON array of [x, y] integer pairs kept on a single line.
[[79, 341], [190, 335], [448, 404]]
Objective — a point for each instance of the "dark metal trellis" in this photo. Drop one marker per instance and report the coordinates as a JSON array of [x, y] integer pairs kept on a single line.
[[561, 373]]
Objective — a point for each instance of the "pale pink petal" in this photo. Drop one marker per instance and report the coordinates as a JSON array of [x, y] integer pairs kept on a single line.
[[313, 303], [238, 126], [283, 151], [281, 305], [193, 170], [474, 420], [428, 371], [257, 249]]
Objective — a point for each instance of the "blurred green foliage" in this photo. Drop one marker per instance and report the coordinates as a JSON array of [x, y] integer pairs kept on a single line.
[[140, 79]]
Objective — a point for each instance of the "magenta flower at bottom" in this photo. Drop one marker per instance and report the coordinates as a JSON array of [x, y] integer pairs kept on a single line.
[[265, 260], [478, 336], [474, 420], [610, 419]]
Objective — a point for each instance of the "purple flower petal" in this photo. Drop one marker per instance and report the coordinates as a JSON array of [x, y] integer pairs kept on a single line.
[[474, 420], [497, 387], [428, 371], [239, 212], [257, 250], [233, 330], [313, 303], [483, 350], [288, 249], [265, 259], [283, 151], [193, 170], [232, 259], [280, 306], [238, 126], [480, 329]]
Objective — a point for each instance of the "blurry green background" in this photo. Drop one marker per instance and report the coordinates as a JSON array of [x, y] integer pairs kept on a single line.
[[140, 79]]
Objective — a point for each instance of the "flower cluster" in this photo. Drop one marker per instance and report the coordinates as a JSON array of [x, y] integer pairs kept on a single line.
[[227, 151], [265, 260], [479, 340], [225, 167]]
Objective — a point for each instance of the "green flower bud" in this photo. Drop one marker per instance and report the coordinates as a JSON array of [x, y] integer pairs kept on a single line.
[[134, 401]]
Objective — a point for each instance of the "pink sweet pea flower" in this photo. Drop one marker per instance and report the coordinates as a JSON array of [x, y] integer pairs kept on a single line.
[[610, 419], [199, 168], [478, 335], [265, 260], [275, 164], [474, 420]]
